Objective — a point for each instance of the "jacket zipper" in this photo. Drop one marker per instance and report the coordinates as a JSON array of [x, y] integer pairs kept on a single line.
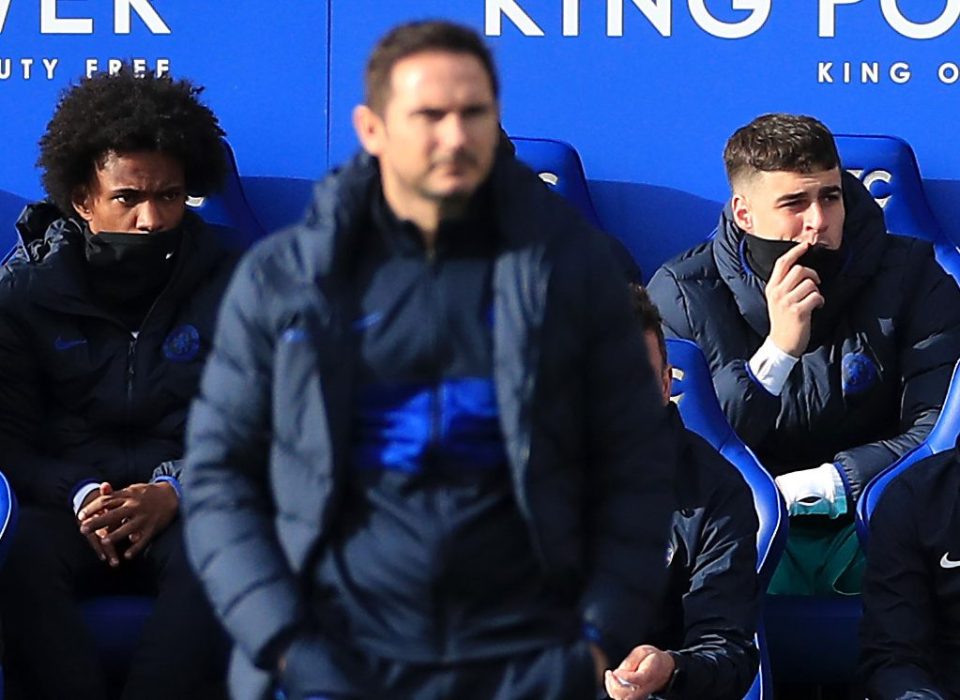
[[436, 407], [131, 371], [436, 435]]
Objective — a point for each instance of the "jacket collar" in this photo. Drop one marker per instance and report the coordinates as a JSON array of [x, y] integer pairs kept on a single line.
[[340, 210], [864, 237], [50, 255]]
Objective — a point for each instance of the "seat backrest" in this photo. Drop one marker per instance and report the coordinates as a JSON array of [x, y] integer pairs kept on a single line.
[[11, 206], [228, 211], [888, 168], [695, 397], [558, 164], [8, 516], [942, 437]]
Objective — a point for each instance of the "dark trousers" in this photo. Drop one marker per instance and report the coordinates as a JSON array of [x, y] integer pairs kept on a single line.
[[563, 672], [48, 647]]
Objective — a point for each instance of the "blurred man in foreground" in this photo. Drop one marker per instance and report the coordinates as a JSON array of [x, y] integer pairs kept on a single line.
[[428, 459]]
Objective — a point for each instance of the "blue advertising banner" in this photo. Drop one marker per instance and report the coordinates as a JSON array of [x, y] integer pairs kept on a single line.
[[646, 90], [264, 67]]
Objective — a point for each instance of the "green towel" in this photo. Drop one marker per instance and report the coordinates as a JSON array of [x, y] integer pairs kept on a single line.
[[819, 559]]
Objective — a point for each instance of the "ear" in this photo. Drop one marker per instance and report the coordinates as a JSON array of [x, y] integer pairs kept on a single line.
[[370, 129], [81, 203], [742, 215]]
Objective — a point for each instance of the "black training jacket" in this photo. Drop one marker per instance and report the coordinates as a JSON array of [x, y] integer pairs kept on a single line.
[[871, 383], [709, 612], [80, 397], [589, 457], [910, 634]]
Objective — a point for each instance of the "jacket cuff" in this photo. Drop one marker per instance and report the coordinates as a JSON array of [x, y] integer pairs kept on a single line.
[[173, 481], [673, 690], [851, 485], [80, 492]]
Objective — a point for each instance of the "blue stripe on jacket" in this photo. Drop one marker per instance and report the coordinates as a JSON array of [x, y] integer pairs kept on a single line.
[[455, 421]]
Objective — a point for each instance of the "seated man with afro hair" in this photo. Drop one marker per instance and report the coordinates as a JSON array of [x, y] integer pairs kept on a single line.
[[106, 312]]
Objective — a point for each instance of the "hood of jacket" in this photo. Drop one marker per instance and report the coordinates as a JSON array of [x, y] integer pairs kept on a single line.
[[864, 237]]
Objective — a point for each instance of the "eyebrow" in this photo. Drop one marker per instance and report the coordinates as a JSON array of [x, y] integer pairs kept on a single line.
[[801, 195], [792, 197], [137, 190], [479, 105]]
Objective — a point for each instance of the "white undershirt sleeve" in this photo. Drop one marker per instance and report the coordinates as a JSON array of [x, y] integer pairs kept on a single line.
[[771, 366]]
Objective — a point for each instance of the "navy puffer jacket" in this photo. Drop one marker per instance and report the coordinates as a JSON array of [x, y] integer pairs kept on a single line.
[[585, 436], [81, 398], [871, 383]]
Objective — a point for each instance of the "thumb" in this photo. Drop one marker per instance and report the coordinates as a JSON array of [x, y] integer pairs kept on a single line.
[[106, 489]]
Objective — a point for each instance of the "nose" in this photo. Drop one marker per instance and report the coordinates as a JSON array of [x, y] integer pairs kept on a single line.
[[453, 131], [149, 217], [815, 222]]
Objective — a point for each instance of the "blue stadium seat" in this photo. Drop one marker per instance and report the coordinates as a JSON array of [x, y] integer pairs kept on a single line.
[[558, 164], [701, 412], [8, 523], [803, 639], [230, 208], [942, 437], [8, 517], [888, 167], [10, 207]]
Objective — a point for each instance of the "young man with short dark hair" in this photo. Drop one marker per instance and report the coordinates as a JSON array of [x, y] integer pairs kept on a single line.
[[831, 343], [106, 313]]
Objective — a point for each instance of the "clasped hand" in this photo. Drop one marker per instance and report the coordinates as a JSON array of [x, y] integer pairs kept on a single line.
[[133, 515]]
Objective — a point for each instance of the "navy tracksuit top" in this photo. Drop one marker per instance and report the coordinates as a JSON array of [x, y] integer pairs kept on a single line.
[[430, 560]]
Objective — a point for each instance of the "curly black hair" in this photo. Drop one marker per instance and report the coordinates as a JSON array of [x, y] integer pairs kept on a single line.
[[124, 112]]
